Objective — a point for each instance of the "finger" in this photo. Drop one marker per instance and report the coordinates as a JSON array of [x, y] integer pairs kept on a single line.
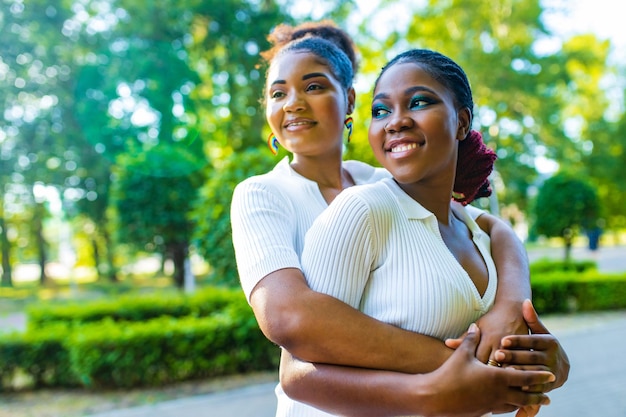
[[532, 319], [522, 399], [484, 352], [537, 388], [533, 341], [470, 342], [453, 343], [516, 378], [521, 357], [528, 411]]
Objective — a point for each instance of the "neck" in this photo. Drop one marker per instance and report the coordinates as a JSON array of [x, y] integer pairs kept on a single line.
[[326, 170], [434, 198]]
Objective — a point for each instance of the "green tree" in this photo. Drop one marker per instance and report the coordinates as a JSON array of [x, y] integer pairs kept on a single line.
[[565, 205], [523, 93], [153, 206], [211, 213]]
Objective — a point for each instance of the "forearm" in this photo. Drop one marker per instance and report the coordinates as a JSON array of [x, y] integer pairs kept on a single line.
[[509, 255], [350, 391], [460, 387], [319, 328]]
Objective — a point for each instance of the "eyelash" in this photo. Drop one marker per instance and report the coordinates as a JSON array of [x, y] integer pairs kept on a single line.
[[377, 110], [311, 87]]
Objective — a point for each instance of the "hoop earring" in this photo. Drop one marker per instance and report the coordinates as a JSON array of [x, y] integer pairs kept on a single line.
[[272, 143], [348, 122]]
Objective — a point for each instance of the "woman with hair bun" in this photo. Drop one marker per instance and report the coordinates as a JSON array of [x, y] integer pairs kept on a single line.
[[309, 98]]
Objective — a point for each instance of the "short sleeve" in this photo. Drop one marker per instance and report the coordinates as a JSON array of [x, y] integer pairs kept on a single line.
[[263, 233]]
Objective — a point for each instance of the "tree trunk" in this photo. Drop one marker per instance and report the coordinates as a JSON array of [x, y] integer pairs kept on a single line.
[[7, 273], [568, 248], [96, 256], [178, 252], [112, 271], [42, 253]]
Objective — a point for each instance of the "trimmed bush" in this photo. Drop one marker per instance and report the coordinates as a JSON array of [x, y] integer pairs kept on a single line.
[[41, 356], [222, 337], [566, 292], [134, 307]]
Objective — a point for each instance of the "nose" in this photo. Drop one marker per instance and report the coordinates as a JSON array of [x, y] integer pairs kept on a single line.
[[293, 103], [398, 123]]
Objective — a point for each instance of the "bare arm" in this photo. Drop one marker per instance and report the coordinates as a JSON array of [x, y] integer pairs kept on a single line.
[[511, 261], [319, 328], [463, 386]]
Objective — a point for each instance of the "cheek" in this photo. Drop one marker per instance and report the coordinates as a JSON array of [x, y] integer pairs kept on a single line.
[[273, 116], [374, 134]]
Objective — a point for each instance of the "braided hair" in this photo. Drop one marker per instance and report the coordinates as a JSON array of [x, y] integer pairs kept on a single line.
[[325, 29], [475, 161]]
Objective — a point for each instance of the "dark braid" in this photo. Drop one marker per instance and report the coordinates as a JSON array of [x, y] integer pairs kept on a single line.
[[473, 167], [475, 161]]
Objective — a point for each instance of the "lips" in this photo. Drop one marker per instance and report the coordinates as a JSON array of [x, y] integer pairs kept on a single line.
[[403, 148], [402, 145], [294, 124]]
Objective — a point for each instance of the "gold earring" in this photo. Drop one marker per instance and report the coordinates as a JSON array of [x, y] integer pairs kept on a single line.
[[272, 143]]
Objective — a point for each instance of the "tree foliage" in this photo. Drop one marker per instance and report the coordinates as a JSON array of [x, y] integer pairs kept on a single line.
[[152, 209], [565, 205], [212, 234], [94, 91]]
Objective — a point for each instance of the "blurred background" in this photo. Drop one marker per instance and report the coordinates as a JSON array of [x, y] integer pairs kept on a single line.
[[126, 124]]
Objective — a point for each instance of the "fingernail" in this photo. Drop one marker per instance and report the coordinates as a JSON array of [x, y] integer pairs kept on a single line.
[[506, 342], [499, 356], [473, 328]]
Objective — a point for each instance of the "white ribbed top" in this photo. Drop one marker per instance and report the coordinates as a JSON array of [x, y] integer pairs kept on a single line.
[[270, 215], [393, 263]]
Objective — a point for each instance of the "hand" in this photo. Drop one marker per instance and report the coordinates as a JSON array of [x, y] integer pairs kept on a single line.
[[502, 320], [539, 350], [463, 380], [528, 411]]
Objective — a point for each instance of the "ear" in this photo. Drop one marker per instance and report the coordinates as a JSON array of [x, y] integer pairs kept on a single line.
[[351, 95], [464, 123]]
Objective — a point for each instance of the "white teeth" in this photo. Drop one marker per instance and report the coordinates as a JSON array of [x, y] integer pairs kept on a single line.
[[403, 148], [298, 123]]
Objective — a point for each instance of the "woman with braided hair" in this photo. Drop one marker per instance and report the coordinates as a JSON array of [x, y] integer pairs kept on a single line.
[[407, 254], [308, 96]]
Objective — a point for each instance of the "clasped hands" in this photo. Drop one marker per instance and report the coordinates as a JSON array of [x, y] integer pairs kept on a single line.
[[526, 345]]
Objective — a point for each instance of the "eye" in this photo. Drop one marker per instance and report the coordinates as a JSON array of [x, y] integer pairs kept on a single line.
[[379, 111], [420, 102], [277, 94], [314, 87]]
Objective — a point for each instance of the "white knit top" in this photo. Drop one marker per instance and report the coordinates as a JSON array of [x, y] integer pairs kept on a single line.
[[393, 263], [270, 215]]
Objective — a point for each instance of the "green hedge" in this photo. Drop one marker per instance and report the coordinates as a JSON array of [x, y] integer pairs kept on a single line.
[[567, 292], [118, 353], [134, 307], [156, 339]]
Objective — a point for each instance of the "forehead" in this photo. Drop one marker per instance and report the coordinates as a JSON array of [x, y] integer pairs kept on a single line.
[[295, 63], [399, 77]]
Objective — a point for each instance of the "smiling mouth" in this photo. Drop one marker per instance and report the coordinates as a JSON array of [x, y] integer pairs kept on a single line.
[[403, 147], [296, 124]]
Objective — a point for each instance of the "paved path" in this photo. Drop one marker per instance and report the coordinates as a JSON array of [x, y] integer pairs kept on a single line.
[[593, 341], [596, 386]]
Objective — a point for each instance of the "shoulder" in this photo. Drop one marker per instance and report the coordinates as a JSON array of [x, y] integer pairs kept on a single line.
[[364, 199], [363, 173]]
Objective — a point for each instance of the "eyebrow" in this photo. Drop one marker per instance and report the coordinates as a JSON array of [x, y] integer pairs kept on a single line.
[[407, 92], [304, 77]]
